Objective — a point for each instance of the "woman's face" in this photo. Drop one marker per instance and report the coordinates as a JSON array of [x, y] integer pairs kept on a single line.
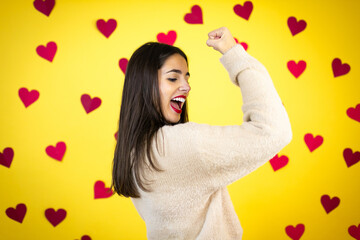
[[174, 87]]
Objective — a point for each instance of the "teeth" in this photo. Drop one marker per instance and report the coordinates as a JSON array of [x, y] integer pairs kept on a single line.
[[179, 99]]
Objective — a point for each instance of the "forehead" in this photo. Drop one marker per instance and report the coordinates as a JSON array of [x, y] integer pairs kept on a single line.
[[175, 61]]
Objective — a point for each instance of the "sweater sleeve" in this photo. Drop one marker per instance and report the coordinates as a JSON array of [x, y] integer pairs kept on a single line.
[[220, 155]]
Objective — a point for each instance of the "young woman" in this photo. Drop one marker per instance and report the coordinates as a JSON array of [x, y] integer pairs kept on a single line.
[[175, 171]]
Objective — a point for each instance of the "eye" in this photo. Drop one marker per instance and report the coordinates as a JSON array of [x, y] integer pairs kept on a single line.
[[172, 79]]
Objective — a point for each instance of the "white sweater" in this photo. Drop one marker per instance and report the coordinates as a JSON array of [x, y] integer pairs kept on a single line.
[[189, 198]]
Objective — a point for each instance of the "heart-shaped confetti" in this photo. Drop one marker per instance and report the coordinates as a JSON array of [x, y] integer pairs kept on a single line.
[[296, 69], [339, 68], [55, 217], [123, 62], [47, 52], [244, 11], [6, 157], [296, 26], [354, 231], [168, 38], [90, 104], [279, 162], [100, 191], [244, 44], [313, 142], [295, 233], [56, 152], [350, 157], [44, 6], [195, 17], [28, 97], [354, 113], [17, 213], [106, 28], [329, 204]]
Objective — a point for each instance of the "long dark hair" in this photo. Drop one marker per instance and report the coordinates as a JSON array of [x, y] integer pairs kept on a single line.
[[140, 117]]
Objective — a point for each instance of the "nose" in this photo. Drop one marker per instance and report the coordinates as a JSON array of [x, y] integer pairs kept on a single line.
[[185, 87]]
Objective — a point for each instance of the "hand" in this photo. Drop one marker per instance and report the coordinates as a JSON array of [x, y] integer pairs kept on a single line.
[[221, 40]]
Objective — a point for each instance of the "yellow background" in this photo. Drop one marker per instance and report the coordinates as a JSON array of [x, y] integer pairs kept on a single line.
[[87, 62]]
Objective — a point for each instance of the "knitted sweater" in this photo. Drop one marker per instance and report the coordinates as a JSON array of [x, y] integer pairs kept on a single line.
[[189, 198]]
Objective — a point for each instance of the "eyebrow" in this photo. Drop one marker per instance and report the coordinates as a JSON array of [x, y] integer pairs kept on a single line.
[[177, 71]]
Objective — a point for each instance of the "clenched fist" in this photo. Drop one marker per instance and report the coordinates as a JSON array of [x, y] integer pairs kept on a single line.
[[221, 40]]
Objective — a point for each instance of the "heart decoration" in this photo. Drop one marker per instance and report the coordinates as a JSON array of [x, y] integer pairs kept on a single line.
[[27, 97], [244, 44], [313, 143], [55, 217], [44, 6], [329, 204], [123, 64], [56, 152], [90, 104], [17, 213], [296, 69], [295, 233], [116, 135], [47, 52], [244, 11], [100, 191], [279, 162], [6, 157], [350, 157], [296, 26], [339, 68], [195, 17], [106, 28], [168, 38], [354, 231], [354, 113]]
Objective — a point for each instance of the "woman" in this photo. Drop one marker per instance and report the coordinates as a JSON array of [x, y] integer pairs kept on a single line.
[[175, 171]]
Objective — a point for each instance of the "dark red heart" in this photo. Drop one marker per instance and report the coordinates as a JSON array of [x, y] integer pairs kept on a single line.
[[56, 152], [244, 11], [100, 191], [354, 231], [296, 69], [279, 162], [350, 157], [354, 113], [123, 64], [85, 237], [168, 38], [6, 157], [313, 143], [90, 104], [55, 217], [329, 204], [296, 26], [106, 28], [195, 17], [44, 6], [17, 214], [338, 68], [47, 52], [295, 233], [27, 97]]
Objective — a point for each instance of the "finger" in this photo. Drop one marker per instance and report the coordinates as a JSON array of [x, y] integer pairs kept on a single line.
[[216, 33]]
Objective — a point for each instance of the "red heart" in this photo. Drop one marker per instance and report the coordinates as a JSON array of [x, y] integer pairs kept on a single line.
[[195, 17], [313, 143], [27, 97], [17, 214], [354, 231], [295, 233], [167, 38], [350, 157], [244, 44], [6, 157], [85, 237], [90, 104], [55, 217], [106, 28], [296, 26], [100, 191], [244, 11], [116, 135], [56, 152], [354, 113], [47, 52], [123, 64], [296, 68], [329, 204], [279, 162], [44, 6], [338, 68]]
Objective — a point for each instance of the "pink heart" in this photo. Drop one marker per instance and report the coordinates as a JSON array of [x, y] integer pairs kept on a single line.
[[354, 231], [100, 191], [329, 204], [56, 152], [123, 64], [354, 113], [295, 233], [296, 26], [6, 157], [47, 52], [55, 217], [279, 162], [44, 6], [17, 214], [313, 143], [244, 11], [168, 38], [195, 17], [27, 97], [296, 68], [106, 28], [338, 68], [350, 157], [90, 104]]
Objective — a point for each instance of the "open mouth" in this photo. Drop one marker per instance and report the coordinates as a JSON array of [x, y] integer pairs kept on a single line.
[[177, 103]]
